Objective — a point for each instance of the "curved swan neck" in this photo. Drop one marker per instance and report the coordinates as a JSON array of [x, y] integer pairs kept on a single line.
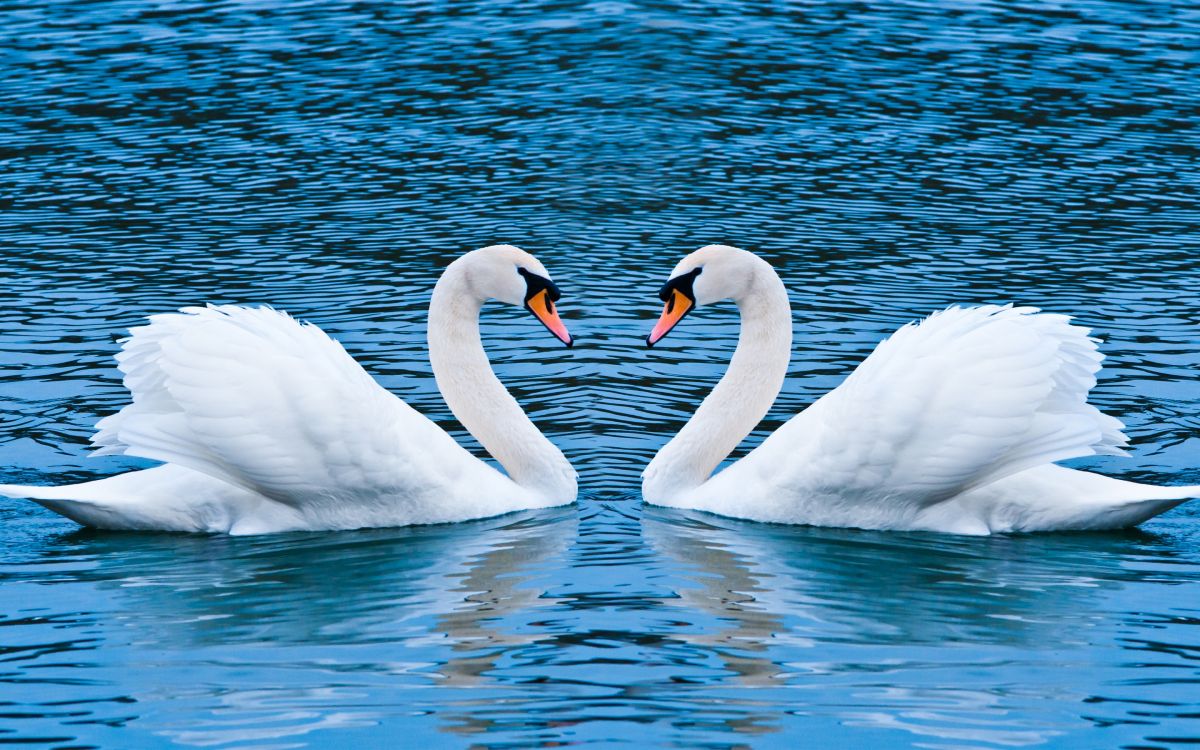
[[477, 397], [742, 397]]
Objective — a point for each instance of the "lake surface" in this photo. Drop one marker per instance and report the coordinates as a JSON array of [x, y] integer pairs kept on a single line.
[[329, 158]]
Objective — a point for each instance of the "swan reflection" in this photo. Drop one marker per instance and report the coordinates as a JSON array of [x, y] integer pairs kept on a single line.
[[941, 616], [314, 631]]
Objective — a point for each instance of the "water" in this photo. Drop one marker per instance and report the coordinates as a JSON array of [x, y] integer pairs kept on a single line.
[[330, 158]]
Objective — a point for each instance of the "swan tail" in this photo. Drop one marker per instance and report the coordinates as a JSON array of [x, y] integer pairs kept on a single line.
[[1148, 502], [164, 498], [33, 492], [81, 503], [1056, 498], [1138, 505]]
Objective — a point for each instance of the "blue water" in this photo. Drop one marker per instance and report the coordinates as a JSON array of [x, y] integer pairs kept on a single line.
[[330, 158]]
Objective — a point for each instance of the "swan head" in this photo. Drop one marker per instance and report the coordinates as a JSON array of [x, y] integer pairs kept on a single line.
[[513, 276], [711, 274]]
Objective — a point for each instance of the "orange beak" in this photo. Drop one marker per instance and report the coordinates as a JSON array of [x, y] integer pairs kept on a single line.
[[677, 306], [542, 307]]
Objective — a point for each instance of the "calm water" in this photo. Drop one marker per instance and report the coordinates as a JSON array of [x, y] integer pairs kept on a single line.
[[330, 158]]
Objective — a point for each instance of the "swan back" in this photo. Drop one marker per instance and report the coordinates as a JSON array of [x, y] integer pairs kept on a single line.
[[254, 398], [966, 398]]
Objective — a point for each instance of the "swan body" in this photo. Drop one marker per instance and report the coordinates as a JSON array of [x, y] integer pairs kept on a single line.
[[951, 425], [266, 424]]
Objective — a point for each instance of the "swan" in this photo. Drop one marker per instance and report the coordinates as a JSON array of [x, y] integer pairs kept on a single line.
[[950, 425], [266, 424]]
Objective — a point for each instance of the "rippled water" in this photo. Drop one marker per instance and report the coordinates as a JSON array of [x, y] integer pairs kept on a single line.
[[330, 158]]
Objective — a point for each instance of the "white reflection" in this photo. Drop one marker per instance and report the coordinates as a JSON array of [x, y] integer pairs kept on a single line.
[[894, 631], [301, 633]]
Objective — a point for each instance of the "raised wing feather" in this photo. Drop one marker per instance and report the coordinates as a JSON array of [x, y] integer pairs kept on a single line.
[[968, 396], [253, 397]]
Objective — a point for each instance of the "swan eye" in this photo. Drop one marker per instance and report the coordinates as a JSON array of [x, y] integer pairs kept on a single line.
[[534, 284], [682, 283]]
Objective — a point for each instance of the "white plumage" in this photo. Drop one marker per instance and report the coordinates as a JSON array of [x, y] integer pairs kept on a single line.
[[267, 424], [952, 424]]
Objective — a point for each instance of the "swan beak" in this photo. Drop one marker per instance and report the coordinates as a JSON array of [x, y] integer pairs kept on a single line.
[[542, 308], [678, 305]]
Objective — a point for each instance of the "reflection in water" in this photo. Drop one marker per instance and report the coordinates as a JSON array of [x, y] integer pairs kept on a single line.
[[800, 608], [425, 604]]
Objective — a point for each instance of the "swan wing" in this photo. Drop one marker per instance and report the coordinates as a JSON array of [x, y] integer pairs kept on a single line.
[[966, 397], [255, 398]]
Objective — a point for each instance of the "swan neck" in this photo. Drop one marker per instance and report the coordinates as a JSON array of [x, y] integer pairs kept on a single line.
[[740, 399], [479, 400]]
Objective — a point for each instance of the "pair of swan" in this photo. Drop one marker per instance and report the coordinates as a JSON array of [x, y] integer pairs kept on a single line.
[[265, 424]]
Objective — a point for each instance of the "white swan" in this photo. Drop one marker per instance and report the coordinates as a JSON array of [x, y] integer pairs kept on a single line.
[[266, 424], [951, 425]]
